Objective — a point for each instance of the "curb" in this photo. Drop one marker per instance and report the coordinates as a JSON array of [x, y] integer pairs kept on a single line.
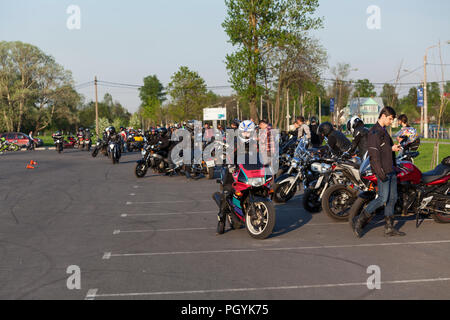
[[39, 149]]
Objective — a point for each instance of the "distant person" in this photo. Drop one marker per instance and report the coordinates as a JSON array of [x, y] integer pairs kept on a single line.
[[407, 135], [31, 145]]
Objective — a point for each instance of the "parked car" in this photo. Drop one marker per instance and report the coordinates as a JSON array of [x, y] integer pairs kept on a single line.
[[21, 139]]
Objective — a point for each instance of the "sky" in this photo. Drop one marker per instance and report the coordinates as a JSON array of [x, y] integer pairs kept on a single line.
[[125, 41]]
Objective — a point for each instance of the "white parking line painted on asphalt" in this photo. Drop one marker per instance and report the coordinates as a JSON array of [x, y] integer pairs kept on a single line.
[[170, 201], [125, 215], [367, 245], [91, 294], [296, 287], [116, 232]]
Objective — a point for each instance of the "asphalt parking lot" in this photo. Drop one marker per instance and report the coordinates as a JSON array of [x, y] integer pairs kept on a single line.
[[155, 238]]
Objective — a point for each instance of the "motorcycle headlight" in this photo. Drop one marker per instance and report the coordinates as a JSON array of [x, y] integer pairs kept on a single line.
[[111, 146], [320, 167], [256, 182]]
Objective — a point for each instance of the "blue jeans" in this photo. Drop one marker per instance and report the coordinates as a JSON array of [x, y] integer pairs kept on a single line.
[[387, 196]]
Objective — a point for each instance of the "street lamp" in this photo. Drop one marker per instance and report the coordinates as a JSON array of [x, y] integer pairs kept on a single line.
[[425, 89]]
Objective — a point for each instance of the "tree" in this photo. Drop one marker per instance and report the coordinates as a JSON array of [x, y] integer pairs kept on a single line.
[[188, 93], [341, 88], [389, 95], [257, 27], [152, 88], [32, 86], [364, 88]]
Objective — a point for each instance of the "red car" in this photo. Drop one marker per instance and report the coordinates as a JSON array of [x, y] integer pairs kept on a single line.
[[21, 139]]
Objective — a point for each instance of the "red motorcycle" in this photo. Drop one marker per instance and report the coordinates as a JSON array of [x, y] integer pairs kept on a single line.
[[80, 141], [418, 193], [70, 142], [247, 201]]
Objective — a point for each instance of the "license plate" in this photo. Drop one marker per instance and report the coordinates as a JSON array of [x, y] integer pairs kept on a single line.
[[210, 163]]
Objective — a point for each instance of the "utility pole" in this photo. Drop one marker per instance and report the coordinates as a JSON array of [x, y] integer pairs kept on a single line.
[[96, 107], [238, 109], [320, 109], [425, 97], [287, 111]]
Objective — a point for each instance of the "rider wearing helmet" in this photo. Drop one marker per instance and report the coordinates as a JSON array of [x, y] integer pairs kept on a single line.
[[337, 141], [316, 140], [360, 133]]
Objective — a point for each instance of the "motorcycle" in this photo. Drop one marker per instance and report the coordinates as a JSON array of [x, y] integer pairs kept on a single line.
[[154, 158], [100, 146], [426, 194], [248, 202], [87, 144], [341, 185], [80, 141], [70, 142], [8, 146], [59, 143], [114, 151], [287, 184]]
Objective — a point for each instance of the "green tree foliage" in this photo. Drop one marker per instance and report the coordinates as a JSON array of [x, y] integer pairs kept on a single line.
[[189, 95], [35, 91], [152, 88], [107, 109], [389, 95], [256, 27], [364, 88]]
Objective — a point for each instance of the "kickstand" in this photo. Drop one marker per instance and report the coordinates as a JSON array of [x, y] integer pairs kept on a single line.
[[417, 220]]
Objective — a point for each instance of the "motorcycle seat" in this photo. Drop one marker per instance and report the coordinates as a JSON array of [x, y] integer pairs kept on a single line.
[[436, 174]]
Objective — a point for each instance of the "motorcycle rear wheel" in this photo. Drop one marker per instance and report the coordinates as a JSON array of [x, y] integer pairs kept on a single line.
[[260, 226], [94, 153]]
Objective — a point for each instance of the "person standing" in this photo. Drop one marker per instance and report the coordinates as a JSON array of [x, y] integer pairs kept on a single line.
[[382, 160], [31, 142]]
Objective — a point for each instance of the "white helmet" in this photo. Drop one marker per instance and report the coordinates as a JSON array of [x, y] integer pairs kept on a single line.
[[246, 130], [353, 123]]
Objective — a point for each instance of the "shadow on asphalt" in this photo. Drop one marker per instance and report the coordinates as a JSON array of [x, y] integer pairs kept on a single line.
[[290, 216]]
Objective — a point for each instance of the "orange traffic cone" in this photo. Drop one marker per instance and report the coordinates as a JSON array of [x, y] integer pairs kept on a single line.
[[30, 166]]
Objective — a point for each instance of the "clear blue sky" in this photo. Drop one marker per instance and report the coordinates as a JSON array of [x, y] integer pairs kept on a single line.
[[124, 41]]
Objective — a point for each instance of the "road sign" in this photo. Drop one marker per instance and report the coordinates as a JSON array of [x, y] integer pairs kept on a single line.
[[420, 100], [211, 114]]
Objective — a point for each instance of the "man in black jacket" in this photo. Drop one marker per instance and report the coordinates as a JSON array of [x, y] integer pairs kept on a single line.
[[382, 160], [337, 141]]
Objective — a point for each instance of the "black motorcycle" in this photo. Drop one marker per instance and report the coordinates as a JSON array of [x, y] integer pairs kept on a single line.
[[59, 142], [101, 146], [114, 151]]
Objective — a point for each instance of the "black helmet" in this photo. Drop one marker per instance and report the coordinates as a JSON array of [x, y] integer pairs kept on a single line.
[[81, 129], [353, 123], [162, 131], [58, 133], [325, 128], [111, 130], [313, 120]]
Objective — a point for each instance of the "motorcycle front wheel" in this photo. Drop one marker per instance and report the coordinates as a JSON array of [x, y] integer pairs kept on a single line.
[[311, 200], [141, 170], [261, 224], [94, 153], [337, 202], [280, 194]]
